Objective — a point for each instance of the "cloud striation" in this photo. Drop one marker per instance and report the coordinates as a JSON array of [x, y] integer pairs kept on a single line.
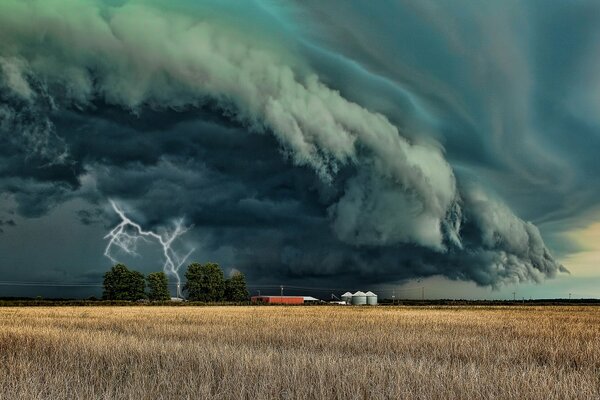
[[191, 110]]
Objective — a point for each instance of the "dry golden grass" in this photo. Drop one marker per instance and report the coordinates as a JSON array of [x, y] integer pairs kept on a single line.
[[300, 353]]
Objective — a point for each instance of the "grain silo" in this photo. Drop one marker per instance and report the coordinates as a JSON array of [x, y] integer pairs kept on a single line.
[[359, 298], [347, 297], [371, 298]]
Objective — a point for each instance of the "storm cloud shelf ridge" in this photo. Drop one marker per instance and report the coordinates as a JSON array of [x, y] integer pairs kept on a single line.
[[297, 151]]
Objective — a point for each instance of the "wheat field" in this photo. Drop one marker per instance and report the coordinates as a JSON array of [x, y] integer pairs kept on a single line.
[[300, 353]]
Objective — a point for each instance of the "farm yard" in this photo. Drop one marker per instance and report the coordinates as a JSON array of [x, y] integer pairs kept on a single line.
[[320, 352]]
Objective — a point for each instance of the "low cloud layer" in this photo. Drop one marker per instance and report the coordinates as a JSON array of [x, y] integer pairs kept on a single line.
[[197, 111]]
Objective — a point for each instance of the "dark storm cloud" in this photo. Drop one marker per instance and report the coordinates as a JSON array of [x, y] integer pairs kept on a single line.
[[308, 166], [500, 80], [90, 216], [7, 223]]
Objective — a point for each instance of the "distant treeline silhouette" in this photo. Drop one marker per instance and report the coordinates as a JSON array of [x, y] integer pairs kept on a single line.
[[204, 283]]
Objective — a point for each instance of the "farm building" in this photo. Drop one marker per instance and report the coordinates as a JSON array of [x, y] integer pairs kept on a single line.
[[347, 297], [309, 299], [371, 298], [284, 299], [360, 298]]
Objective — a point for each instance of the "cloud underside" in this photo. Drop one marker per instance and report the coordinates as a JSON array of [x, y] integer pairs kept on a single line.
[[188, 113]]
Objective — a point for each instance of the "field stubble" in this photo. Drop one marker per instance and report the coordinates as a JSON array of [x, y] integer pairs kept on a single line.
[[300, 352]]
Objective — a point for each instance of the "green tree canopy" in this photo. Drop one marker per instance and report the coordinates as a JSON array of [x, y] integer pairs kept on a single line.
[[235, 288], [158, 286], [120, 283], [205, 282]]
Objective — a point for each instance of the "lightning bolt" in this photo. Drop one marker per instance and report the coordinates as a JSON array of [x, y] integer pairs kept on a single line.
[[126, 235]]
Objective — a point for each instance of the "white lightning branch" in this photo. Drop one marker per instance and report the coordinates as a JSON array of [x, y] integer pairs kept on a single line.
[[121, 237]]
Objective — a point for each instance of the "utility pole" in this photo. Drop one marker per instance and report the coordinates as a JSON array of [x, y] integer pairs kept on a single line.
[[281, 290], [422, 292], [394, 296], [569, 296], [514, 296]]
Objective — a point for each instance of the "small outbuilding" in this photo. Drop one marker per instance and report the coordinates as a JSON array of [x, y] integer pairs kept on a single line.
[[310, 299]]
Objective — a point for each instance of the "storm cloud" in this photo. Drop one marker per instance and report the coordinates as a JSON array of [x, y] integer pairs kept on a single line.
[[304, 165]]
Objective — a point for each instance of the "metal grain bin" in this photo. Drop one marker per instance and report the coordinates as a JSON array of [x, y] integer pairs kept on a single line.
[[347, 297], [359, 298], [371, 298]]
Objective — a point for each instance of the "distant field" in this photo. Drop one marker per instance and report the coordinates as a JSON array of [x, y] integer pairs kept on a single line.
[[300, 352]]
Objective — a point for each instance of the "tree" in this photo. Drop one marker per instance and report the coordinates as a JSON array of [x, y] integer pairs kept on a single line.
[[157, 286], [205, 282], [120, 283], [235, 288]]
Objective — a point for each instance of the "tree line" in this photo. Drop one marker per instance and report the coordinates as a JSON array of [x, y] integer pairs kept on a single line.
[[204, 282]]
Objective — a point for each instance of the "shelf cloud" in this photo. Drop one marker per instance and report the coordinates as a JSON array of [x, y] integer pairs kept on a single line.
[[305, 155]]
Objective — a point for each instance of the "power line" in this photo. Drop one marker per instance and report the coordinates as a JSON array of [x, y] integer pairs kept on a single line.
[[414, 288], [280, 288], [97, 284], [67, 284]]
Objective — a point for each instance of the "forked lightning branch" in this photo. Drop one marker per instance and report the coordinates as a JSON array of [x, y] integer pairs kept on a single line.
[[126, 235]]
